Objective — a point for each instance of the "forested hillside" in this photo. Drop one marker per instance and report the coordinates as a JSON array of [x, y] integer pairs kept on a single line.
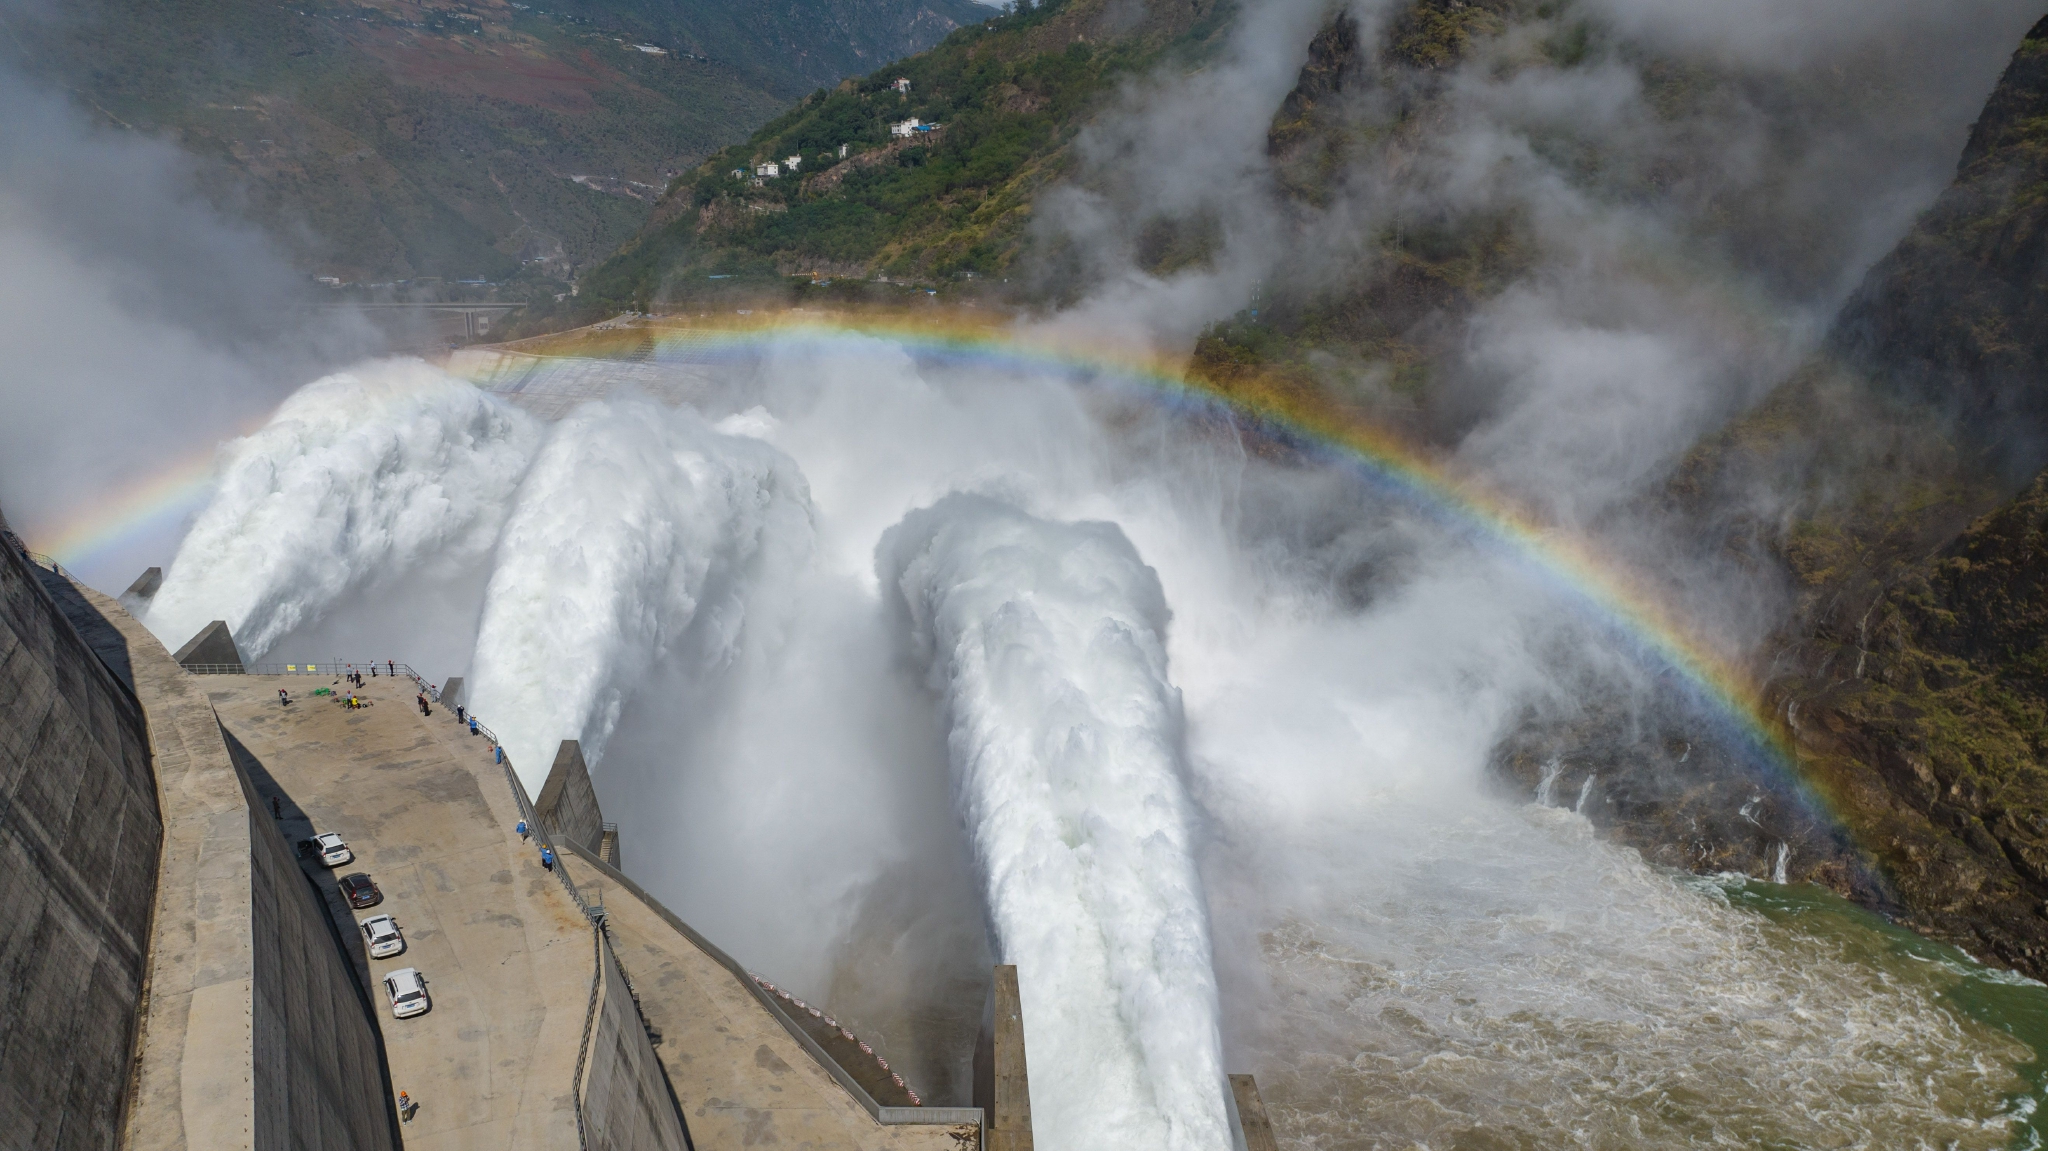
[[455, 138], [997, 107]]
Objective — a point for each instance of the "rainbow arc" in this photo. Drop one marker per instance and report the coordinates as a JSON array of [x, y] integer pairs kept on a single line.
[[1573, 566]]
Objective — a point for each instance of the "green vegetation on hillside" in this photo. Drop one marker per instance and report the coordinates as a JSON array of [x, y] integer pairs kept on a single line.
[[950, 203]]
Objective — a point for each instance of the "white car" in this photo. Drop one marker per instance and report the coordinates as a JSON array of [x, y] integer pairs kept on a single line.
[[382, 933], [333, 852], [408, 991]]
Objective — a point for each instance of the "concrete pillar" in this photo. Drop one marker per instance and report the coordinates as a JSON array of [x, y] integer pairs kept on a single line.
[[567, 803], [1002, 1086], [212, 647], [145, 585], [1251, 1115]]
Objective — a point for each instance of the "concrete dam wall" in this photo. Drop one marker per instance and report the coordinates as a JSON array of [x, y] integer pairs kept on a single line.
[[627, 1104], [320, 1071], [255, 1033], [80, 834]]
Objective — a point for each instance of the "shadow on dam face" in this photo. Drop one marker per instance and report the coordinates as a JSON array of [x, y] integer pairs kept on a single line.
[[292, 824]]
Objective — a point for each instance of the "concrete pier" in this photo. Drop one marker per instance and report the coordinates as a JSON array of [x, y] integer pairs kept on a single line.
[[1002, 1082], [567, 803], [213, 648], [255, 1035], [1251, 1115]]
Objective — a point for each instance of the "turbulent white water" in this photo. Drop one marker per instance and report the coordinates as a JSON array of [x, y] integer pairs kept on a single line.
[[803, 617], [636, 525], [359, 482], [1047, 643]]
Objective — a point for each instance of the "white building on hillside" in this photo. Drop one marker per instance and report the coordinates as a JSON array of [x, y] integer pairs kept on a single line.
[[768, 171], [901, 85], [903, 128], [793, 163]]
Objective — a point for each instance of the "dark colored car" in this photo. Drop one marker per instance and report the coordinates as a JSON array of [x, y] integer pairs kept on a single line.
[[360, 891]]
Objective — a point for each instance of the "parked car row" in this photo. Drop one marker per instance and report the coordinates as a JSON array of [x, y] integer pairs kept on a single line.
[[406, 987]]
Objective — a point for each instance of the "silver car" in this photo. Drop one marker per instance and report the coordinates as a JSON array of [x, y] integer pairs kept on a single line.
[[333, 852], [383, 936], [408, 991]]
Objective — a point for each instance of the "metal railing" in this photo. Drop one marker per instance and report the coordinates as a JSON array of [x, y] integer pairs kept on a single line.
[[37, 558], [591, 911], [589, 1024], [757, 987], [386, 669]]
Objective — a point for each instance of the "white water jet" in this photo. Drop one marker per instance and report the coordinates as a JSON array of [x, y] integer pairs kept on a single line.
[[1585, 793], [1546, 785], [637, 527], [1046, 644], [1778, 868], [360, 480], [1386, 929]]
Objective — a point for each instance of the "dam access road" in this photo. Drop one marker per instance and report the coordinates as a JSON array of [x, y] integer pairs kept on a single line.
[[505, 951], [266, 1024]]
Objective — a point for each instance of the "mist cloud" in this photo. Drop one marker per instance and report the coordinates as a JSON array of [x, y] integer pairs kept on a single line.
[[139, 321]]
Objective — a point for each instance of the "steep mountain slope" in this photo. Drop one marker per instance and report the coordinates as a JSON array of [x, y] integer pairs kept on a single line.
[[1456, 174], [454, 138], [1913, 675], [998, 105], [1957, 315]]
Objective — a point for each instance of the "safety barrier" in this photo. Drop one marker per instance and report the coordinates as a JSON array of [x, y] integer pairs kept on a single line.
[[37, 558], [591, 911], [888, 1116], [385, 669]]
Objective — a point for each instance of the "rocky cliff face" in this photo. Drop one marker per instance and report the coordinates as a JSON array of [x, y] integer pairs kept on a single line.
[[1930, 726], [1877, 490], [1957, 316], [1913, 673]]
